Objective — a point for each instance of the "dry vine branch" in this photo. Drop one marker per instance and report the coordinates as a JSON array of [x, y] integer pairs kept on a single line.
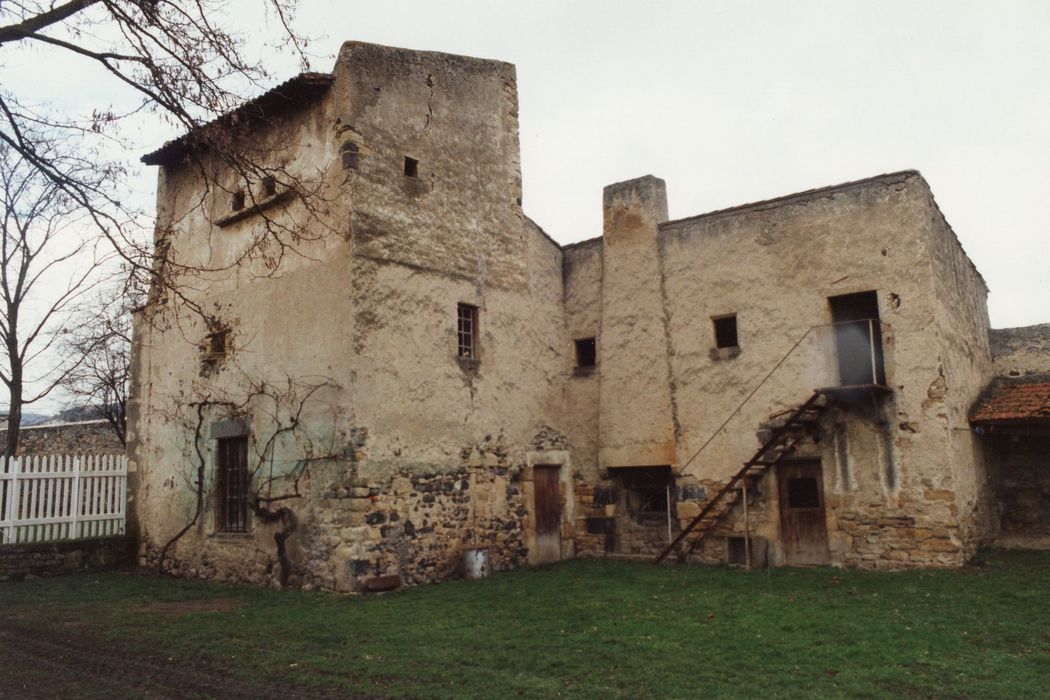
[[171, 59], [284, 411]]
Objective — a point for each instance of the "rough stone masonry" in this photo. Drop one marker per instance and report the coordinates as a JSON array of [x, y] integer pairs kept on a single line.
[[430, 373]]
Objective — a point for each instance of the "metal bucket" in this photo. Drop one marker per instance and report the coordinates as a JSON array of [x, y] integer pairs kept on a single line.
[[476, 563]]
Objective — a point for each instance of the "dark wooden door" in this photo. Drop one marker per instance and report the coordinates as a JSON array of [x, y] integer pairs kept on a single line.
[[803, 528], [547, 512]]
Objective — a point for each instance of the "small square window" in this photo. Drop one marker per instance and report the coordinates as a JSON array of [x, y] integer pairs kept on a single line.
[[467, 331], [803, 493], [725, 332], [269, 187], [411, 167], [237, 200], [586, 352], [350, 152], [217, 342], [213, 350]]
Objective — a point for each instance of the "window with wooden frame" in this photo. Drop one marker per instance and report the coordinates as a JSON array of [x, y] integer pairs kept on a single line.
[[725, 331], [467, 331], [231, 484], [215, 346]]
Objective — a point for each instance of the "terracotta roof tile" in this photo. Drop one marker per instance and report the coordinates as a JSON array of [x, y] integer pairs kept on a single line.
[[1029, 401]]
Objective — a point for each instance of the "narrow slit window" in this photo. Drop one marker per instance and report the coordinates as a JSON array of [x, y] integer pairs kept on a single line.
[[411, 167], [586, 353], [350, 152], [237, 200], [467, 331], [725, 332]]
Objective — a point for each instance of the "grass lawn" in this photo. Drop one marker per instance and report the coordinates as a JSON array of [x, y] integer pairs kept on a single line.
[[591, 628]]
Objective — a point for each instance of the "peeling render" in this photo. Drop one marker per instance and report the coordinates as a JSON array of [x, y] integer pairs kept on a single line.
[[405, 455]]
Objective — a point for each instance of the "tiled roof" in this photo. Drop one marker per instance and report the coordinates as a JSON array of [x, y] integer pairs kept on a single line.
[[294, 92], [1014, 403]]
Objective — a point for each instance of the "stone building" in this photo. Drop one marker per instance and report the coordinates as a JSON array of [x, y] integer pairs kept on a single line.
[[428, 373]]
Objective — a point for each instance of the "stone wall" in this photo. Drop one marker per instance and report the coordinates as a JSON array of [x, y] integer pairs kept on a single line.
[[1023, 484], [19, 561], [81, 437], [379, 450], [1021, 352], [402, 453]]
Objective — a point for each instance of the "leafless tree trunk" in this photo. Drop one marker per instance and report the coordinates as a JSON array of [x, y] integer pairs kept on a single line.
[[177, 60], [99, 343], [45, 266]]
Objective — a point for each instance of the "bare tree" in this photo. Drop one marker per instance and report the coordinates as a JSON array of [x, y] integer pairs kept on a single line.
[[172, 58], [46, 265], [99, 346]]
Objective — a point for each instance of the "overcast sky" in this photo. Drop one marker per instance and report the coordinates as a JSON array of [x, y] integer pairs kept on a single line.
[[733, 102], [729, 102]]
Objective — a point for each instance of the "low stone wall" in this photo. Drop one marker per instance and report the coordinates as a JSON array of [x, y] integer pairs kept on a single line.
[[1021, 352], [18, 561], [82, 437]]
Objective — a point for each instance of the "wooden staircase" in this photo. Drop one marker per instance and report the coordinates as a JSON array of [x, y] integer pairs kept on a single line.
[[785, 431]]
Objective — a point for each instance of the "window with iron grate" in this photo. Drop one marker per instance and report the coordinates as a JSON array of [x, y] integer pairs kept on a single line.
[[467, 331], [231, 484]]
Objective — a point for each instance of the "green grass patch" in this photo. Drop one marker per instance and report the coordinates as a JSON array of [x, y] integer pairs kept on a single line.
[[594, 628]]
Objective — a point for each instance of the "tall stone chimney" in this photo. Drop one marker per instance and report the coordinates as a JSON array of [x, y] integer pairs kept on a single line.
[[635, 421]]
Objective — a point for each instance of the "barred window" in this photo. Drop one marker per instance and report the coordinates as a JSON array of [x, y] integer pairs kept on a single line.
[[231, 484], [725, 331], [467, 331]]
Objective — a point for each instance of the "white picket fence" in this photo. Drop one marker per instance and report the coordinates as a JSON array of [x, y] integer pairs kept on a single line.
[[62, 497]]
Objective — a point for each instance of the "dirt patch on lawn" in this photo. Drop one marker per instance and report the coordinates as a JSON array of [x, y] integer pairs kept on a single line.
[[183, 607], [51, 661]]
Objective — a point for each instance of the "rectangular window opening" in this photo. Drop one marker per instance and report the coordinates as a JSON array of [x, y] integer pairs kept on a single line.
[[237, 200], [231, 484], [736, 550], [858, 338], [467, 331], [217, 342], [803, 493], [586, 352], [350, 152], [411, 167], [725, 332], [269, 187]]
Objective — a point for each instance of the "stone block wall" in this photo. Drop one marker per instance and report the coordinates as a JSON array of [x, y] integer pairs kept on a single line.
[[19, 561], [81, 437]]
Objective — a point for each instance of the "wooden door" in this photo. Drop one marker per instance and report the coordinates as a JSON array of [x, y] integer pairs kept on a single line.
[[547, 512], [803, 528]]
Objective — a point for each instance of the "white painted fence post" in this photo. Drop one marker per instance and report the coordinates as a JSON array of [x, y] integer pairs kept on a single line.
[[74, 530], [12, 500]]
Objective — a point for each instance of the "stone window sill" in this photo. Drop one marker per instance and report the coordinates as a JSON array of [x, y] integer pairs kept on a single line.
[[585, 371], [258, 206], [233, 537], [722, 354], [468, 364]]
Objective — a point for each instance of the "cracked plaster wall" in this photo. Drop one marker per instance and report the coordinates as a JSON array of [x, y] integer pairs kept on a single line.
[[422, 454]]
